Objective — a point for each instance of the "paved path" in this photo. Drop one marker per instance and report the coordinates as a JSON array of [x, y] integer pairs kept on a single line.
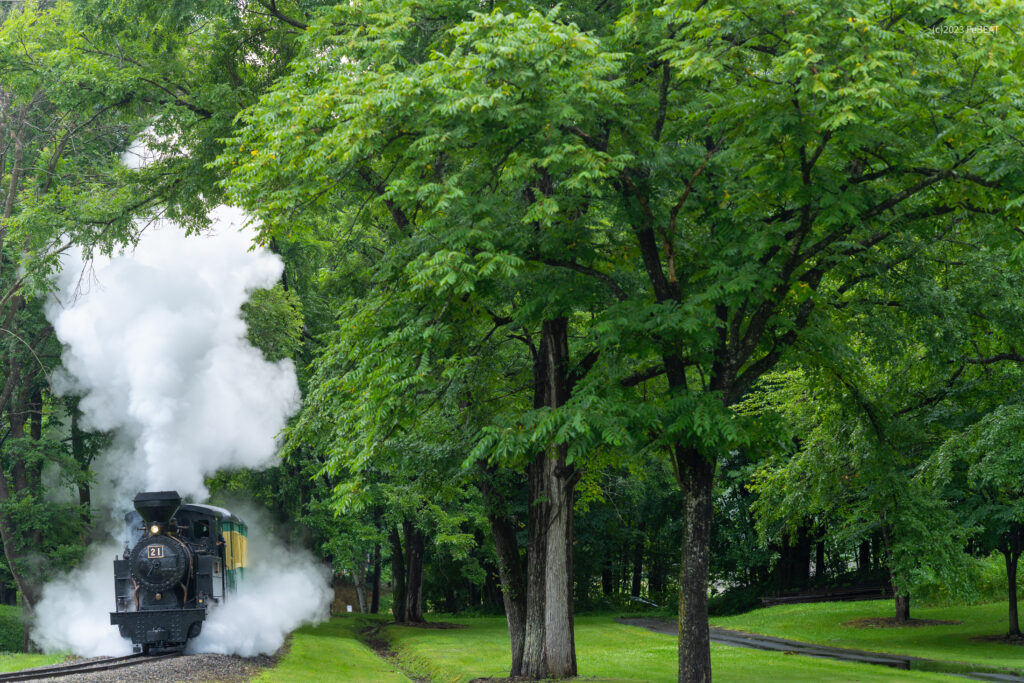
[[724, 636]]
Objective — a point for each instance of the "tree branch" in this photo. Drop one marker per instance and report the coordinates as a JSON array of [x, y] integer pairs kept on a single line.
[[643, 376], [274, 11], [620, 293], [998, 358]]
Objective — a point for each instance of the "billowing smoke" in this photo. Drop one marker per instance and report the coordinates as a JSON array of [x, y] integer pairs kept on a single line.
[[72, 614], [283, 588], [155, 345]]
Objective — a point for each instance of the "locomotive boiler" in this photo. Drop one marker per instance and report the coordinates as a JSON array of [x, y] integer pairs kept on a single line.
[[179, 561]]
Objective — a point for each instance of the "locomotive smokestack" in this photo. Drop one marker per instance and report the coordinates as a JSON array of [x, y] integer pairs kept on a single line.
[[157, 507]]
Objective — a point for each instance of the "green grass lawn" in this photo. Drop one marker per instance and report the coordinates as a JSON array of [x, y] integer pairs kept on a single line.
[[16, 661], [609, 651], [824, 623], [331, 652], [12, 631], [612, 652]]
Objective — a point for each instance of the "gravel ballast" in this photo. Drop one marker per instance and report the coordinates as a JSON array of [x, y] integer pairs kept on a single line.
[[199, 668]]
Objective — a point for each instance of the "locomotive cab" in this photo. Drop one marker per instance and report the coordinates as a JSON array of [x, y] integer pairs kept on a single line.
[[178, 561]]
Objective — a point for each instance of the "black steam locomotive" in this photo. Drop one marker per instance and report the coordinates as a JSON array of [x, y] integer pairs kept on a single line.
[[178, 561]]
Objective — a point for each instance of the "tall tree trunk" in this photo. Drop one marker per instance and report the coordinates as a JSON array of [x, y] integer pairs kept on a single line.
[[34, 470], [638, 566], [533, 664], [397, 576], [549, 649], [819, 561], [414, 548], [695, 472], [491, 599], [19, 473], [29, 588], [902, 608], [15, 561], [864, 556], [78, 452], [1011, 588], [1011, 547], [375, 581], [513, 593], [606, 578], [16, 392], [657, 575], [16, 169], [559, 639], [793, 567], [13, 400], [623, 565], [901, 599], [450, 603], [510, 566], [802, 558], [359, 581]]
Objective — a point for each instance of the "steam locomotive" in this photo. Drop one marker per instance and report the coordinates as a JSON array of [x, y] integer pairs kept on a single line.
[[179, 560]]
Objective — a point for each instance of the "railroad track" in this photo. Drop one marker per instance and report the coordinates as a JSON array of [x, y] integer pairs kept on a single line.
[[74, 668]]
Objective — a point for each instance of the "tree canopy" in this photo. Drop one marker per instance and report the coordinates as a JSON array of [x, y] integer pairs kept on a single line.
[[541, 259]]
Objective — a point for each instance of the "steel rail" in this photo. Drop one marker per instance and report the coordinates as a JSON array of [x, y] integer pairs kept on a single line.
[[91, 666]]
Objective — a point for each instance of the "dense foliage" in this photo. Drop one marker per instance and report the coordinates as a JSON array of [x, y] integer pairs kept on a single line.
[[595, 304]]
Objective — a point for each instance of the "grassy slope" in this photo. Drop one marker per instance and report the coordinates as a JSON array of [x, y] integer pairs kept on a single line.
[[331, 652], [613, 652], [823, 623]]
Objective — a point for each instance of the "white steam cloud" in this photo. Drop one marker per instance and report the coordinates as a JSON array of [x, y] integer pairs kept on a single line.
[[155, 345], [72, 614], [283, 588]]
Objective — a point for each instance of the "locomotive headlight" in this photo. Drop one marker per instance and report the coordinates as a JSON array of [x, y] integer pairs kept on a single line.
[[155, 529]]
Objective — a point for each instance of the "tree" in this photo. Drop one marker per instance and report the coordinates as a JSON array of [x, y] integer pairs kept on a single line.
[[923, 366], [858, 465], [64, 186], [692, 184], [986, 463], [79, 82], [547, 642]]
